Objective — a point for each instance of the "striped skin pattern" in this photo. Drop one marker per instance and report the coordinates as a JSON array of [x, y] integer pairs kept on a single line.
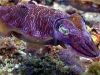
[[37, 24], [33, 20]]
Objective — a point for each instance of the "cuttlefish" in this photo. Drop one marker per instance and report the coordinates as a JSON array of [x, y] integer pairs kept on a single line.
[[40, 25]]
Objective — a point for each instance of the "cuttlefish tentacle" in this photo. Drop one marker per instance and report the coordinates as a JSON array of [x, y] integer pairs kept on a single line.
[[77, 37]]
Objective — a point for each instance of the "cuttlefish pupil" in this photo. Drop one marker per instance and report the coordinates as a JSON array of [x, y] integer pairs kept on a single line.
[[63, 30]]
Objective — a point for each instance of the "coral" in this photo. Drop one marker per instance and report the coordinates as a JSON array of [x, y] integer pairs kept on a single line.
[[94, 69], [7, 2], [11, 54], [70, 59], [49, 65], [10, 46]]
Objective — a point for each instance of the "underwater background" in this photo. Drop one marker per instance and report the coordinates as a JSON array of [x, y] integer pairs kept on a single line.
[[69, 47]]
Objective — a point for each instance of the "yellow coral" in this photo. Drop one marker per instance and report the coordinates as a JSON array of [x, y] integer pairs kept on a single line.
[[88, 28], [95, 39], [94, 1], [99, 46], [94, 36]]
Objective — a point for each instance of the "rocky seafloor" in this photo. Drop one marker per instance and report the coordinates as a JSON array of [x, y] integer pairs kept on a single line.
[[15, 61]]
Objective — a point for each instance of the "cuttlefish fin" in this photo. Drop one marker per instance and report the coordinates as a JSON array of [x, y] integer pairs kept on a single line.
[[29, 39], [21, 36], [54, 42], [33, 47]]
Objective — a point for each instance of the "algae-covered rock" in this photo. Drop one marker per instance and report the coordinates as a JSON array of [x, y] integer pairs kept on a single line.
[[49, 65], [94, 69]]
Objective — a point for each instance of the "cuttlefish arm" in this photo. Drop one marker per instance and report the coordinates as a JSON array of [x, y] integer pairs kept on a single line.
[[73, 33], [87, 43]]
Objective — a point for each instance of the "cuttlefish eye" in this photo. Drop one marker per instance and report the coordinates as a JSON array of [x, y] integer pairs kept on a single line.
[[63, 30]]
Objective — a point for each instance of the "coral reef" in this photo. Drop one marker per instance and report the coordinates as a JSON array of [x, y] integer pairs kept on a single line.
[[18, 62], [48, 65], [55, 60]]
